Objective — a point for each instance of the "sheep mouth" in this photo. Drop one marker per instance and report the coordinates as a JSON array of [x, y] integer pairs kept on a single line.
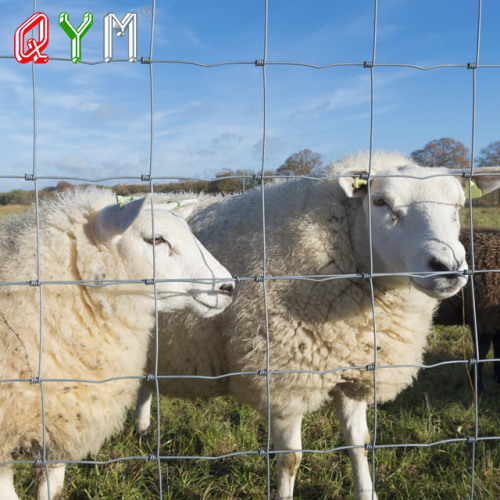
[[216, 301], [440, 286]]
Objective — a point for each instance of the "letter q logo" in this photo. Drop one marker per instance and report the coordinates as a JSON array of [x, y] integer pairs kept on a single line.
[[35, 46]]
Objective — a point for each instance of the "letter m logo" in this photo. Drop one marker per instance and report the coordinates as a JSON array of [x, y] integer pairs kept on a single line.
[[111, 23]]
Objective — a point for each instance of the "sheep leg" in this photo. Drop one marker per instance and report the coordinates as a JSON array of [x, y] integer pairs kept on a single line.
[[352, 415], [7, 491], [55, 479], [286, 434], [496, 353], [143, 409]]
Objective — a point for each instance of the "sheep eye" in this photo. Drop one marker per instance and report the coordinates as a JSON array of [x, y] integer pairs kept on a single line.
[[379, 202], [158, 240]]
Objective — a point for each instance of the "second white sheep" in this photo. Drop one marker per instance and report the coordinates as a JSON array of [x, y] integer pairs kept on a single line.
[[321, 329]]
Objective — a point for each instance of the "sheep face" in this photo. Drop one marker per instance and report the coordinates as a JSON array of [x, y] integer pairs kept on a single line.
[[172, 253], [415, 228]]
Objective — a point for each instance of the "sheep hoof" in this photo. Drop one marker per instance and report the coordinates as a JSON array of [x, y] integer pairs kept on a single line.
[[142, 431]]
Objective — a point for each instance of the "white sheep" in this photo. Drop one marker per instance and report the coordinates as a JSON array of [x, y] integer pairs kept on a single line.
[[88, 333], [319, 229]]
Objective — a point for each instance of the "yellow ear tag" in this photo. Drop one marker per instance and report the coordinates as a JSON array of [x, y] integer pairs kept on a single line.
[[358, 182], [123, 200], [179, 204], [474, 190]]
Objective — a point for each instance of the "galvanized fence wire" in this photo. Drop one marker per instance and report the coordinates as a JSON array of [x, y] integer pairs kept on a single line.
[[40, 360], [473, 143], [153, 176], [264, 246]]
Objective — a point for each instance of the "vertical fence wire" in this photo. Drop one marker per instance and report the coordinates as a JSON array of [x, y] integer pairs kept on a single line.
[[264, 249], [474, 319], [39, 379], [371, 65], [151, 187], [370, 241]]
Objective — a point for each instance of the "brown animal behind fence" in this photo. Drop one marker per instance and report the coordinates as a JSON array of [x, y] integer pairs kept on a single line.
[[486, 298]]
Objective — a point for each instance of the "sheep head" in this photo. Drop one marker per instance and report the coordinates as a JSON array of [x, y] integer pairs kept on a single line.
[[414, 219], [152, 242]]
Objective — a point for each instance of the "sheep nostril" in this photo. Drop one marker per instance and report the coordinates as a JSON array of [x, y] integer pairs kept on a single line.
[[227, 289], [437, 265]]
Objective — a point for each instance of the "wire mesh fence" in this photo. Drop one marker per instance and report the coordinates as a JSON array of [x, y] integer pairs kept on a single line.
[[154, 174]]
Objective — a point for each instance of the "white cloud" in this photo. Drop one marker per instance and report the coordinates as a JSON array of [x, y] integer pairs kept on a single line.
[[275, 149]]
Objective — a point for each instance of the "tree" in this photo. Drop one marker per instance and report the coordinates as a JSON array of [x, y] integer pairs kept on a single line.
[[229, 181], [18, 197], [301, 163], [444, 152], [61, 186], [226, 184], [490, 155], [64, 185]]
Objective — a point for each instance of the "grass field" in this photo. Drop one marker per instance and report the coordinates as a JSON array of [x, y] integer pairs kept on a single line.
[[485, 216], [439, 406], [6, 210]]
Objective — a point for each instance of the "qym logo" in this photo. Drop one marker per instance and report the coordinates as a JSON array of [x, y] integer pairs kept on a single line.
[[32, 50]]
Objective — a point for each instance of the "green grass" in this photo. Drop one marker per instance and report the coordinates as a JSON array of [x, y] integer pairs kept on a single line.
[[437, 407], [484, 215]]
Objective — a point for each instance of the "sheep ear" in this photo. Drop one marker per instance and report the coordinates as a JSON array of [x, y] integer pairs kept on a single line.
[[487, 182], [116, 219], [353, 187], [490, 181], [183, 208]]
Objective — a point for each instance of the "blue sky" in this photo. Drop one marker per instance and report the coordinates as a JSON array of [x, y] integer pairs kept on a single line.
[[94, 120]]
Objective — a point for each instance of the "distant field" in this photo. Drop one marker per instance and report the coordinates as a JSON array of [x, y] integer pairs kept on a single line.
[[488, 216], [6, 210], [485, 216]]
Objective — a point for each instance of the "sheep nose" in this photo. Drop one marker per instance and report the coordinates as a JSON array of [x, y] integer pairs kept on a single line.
[[226, 288], [437, 265]]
